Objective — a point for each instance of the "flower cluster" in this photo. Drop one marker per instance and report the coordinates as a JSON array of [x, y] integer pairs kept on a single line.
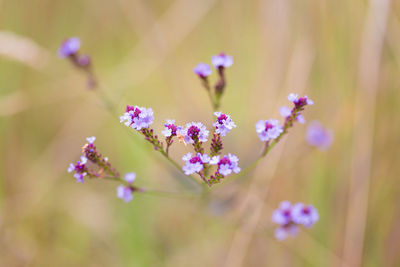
[[137, 118], [125, 192], [224, 123], [101, 167], [206, 161], [290, 217], [194, 164], [226, 165], [70, 49], [80, 169], [268, 130], [220, 62]]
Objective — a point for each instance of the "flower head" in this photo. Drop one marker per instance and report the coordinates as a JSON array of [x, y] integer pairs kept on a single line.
[[202, 70], [130, 177], [91, 139], [268, 129], [224, 123], [290, 217], [80, 169], [319, 136], [69, 47], [125, 193], [171, 129], [222, 61], [137, 117], [306, 215], [282, 232], [283, 215], [227, 164], [300, 101], [195, 131], [194, 164]]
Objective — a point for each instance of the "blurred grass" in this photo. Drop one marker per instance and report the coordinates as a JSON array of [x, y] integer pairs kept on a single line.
[[144, 52]]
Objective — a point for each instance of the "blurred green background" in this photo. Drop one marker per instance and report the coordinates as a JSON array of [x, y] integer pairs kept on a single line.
[[344, 54]]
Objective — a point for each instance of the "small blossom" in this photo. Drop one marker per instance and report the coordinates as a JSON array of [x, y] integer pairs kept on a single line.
[[80, 169], [227, 164], [282, 232], [130, 177], [202, 70], [137, 117], [290, 217], [224, 123], [91, 139], [300, 118], [194, 164], [79, 177], [195, 131], [69, 47], [300, 101], [268, 129], [171, 129], [222, 60], [305, 215], [319, 136], [283, 215], [125, 193], [285, 111]]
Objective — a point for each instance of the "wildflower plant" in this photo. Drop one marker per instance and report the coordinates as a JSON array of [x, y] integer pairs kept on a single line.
[[207, 163]]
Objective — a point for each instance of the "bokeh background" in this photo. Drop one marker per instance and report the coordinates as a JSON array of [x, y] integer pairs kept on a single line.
[[344, 54]]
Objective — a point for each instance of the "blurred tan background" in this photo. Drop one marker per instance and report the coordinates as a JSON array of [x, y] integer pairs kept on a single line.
[[344, 54]]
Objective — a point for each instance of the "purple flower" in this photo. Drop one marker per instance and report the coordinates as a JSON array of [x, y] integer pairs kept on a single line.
[[171, 129], [194, 164], [80, 169], [202, 70], [91, 139], [268, 129], [300, 118], [319, 136], [227, 164], [222, 60], [69, 47], [130, 177], [195, 131], [282, 232], [283, 215], [305, 215], [125, 193], [300, 101], [285, 111], [224, 123], [290, 217], [137, 117]]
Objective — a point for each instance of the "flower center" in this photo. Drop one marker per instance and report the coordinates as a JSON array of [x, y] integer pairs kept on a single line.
[[302, 101], [135, 110], [221, 118], [307, 210], [268, 126], [224, 161], [193, 131], [286, 213], [195, 160], [172, 127]]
